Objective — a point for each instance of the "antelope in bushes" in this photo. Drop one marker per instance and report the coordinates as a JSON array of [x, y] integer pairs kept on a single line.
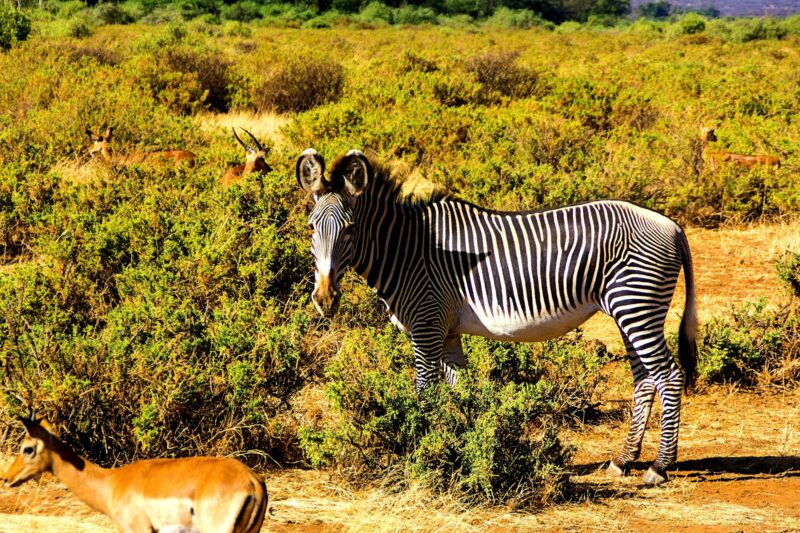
[[101, 148], [714, 158], [255, 161], [193, 494]]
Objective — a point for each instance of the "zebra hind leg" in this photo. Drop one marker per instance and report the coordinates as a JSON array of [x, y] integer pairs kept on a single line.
[[642, 329], [670, 389], [643, 394]]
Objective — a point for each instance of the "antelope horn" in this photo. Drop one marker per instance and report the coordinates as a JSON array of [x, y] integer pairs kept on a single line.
[[260, 148], [247, 148]]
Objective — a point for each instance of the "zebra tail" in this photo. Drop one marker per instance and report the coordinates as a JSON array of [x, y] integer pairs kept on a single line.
[[687, 334]]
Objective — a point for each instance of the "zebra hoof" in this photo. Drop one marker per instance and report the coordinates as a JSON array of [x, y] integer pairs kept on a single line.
[[655, 476], [615, 470]]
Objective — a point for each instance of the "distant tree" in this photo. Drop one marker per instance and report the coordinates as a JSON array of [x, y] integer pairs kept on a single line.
[[581, 10], [552, 10], [660, 9], [14, 26], [708, 12], [614, 8]]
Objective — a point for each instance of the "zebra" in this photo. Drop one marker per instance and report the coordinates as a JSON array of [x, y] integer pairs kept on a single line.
[[445, 267]]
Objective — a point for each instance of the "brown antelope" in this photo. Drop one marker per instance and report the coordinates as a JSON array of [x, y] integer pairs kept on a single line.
[[713, 159], [194, 494], [255, 161], [100, 146]]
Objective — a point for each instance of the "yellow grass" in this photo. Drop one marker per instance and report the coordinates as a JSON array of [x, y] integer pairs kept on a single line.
[[265, 126]]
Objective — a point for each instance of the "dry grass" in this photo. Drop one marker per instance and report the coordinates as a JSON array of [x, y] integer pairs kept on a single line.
[[83, 170], [265, 126]]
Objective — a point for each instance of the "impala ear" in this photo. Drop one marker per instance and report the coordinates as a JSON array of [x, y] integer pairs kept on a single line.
[[356, 172], [89, 133], [310, 172], [108, 133]]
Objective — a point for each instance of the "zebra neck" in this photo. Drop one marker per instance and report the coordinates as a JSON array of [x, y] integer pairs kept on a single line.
[[389, 245]]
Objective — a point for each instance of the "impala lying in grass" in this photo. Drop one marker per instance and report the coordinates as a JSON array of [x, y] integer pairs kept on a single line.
[[254, 161], [714, 158], [194, 494], [101, 146]]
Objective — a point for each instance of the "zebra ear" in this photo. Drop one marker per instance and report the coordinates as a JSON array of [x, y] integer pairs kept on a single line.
[[310, 172], [356, 173]]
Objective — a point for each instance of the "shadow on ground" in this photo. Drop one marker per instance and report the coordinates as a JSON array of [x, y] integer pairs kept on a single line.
[[747, 466]]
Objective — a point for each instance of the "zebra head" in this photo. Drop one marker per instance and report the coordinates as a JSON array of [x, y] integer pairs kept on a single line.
[[332, 219]]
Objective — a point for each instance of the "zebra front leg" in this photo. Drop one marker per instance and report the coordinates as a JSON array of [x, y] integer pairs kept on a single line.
[[643, 394], [452, 358], [670, 389], [428, 350]]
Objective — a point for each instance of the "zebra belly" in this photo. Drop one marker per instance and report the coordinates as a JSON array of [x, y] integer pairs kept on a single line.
[[520, 328]]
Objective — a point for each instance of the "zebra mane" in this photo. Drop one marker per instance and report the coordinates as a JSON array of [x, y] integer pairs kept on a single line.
[[405, 185]]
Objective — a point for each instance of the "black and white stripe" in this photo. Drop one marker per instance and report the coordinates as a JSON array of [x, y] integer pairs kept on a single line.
[[445, 267]]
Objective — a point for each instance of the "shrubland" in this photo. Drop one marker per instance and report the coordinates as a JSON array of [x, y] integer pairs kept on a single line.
[[153, 312]]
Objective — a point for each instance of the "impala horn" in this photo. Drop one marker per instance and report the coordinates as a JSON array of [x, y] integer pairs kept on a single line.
[[246, 147]]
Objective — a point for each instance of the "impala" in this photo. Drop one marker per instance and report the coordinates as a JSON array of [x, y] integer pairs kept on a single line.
[[254, 162], [101, 147], [712, 158], [194, 494]]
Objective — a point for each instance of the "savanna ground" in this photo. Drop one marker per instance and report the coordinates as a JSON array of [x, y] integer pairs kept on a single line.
[[195, 296], [738, 469]]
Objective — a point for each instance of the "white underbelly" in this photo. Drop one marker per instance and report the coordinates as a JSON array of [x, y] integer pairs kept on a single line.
[[474, 321]]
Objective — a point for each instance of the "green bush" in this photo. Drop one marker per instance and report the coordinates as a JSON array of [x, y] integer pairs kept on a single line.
[[242, 11], [750, 29], [411, 62], [299, 84], [110, 13], [756, 345], [187, 80], [494, 437], [692, 23], [499, 74], [789, 270], [377, 12], [70, 8], [325, 20], [504, 17], [410, 14], [14, 26], [80, 28], [169, 305]]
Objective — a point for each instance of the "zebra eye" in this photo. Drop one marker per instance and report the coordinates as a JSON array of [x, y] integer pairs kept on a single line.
[[349, 229]]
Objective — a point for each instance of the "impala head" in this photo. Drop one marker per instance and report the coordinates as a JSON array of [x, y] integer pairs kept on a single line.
[[332, 219], [256, 158], [34, 455], [99, 142], [707, 134]]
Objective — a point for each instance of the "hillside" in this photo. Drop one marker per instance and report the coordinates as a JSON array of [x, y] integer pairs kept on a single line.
[[739, 8]]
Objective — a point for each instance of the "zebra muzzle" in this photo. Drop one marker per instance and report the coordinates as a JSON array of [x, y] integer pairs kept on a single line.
[[326, 297]]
